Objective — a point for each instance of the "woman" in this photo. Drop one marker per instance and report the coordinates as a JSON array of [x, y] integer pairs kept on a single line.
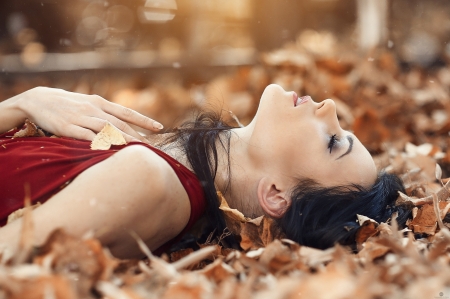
[[293, 162]]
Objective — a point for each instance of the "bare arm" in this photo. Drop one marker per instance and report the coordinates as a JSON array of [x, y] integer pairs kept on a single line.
[[71, 114], [132, 190]]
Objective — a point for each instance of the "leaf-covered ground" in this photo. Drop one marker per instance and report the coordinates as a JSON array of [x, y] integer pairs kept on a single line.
[[402, 117]]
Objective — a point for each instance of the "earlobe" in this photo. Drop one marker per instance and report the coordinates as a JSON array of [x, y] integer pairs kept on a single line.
[[274, 202]]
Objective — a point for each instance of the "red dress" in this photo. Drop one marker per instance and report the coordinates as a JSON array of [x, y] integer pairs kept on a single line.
[[49, 164]]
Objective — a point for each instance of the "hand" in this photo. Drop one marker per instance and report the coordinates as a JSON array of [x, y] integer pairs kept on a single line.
[[81, 116]]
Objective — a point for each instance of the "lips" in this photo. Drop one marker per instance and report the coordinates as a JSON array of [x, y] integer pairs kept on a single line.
[[301, 100]]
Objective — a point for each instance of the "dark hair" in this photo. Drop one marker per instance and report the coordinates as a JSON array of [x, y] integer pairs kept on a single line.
[[318, 216], [322, 216], [198, 140]]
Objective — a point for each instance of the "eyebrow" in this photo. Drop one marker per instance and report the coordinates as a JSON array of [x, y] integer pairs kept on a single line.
[[350, 147]]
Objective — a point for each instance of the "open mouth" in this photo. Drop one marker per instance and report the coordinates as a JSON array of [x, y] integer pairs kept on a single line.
[[301, 100]]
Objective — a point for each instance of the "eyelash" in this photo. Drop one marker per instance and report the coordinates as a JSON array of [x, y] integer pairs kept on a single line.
[[332, 142]]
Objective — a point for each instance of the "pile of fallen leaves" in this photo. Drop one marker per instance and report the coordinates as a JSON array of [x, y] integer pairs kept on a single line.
[[391, 263], [402, 115]]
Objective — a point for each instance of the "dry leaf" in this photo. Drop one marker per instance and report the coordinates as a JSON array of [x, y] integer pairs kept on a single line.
[[218, 271], [277, 256], [108, 136], [20, 212], [370, 130], [410, 202], [86, 261], [29, 130], [231, 213], [259, 233], [438, 172], [368, 228], [426, 220], [372, 250]]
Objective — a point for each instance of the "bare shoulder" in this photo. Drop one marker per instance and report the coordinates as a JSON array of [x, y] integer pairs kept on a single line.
[[163, 204], [142, 163], [149, 173]]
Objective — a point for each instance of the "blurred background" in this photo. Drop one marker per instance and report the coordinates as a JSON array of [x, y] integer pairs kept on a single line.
[[384, 62]]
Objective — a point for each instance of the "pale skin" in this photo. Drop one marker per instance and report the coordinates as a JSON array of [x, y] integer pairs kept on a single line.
[[136, 190]]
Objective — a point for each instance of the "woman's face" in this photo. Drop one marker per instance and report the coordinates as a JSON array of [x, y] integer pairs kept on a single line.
[[300, 138]]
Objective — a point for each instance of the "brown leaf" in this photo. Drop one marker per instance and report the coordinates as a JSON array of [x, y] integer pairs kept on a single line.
[[29, 130], [85, 261], [370, 130], [218, 271], [259, 232], [410, 202], [277, 256], [55, 286], [230, 213], [366, 230], [189, 286], [426, 220], [177, 255], [372, 250]]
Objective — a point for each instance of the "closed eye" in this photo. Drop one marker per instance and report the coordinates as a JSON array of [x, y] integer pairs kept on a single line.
[[350, 147]]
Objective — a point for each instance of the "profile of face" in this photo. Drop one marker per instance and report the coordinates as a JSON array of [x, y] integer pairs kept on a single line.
[[298, 138]]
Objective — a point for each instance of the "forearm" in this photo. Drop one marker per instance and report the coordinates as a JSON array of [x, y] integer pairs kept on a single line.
[[11, 115]]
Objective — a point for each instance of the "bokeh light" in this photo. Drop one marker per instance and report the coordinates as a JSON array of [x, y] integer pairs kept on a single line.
[[158, 11]]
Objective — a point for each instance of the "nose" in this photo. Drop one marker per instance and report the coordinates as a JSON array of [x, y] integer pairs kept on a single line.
[[326, 110]]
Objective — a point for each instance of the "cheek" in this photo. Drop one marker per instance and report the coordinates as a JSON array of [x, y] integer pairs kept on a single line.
[[302, 153]]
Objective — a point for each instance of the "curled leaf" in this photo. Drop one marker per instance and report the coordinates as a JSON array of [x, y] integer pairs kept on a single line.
[[29, 130], [229, 212]]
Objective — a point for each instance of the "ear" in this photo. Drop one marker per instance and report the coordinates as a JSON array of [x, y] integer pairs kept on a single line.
[[273, 201]]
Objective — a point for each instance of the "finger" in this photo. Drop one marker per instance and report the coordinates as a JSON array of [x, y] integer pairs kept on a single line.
[[97, 124], [130, 116], [129, 138], [77, 132], [86, 134]]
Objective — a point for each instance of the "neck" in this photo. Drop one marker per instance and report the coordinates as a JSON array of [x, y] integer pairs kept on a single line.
[[243, 175], [237, 183]]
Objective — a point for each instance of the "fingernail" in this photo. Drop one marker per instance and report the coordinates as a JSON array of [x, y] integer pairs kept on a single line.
[[157, 125]]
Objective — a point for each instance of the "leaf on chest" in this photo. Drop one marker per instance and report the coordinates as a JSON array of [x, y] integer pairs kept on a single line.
[[108, 136]]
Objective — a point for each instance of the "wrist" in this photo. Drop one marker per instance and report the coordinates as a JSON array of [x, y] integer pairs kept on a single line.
[[12, 113], [20, 105]]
